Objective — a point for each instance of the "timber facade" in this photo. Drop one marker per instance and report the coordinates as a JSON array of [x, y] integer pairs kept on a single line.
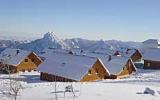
[[149, 64]]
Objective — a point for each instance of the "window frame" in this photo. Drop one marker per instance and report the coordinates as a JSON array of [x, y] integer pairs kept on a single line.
[[26, 60], [148, 64]]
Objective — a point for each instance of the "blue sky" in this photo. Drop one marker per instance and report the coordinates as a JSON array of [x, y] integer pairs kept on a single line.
[[128, 20]]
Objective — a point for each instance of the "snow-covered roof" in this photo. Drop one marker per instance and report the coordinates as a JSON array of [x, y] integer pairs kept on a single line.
[[67, 65], [115, 65], [76, 51], [1, 49], [13, 56], [104, 51], [46, 52], [151, 41], [129, 53], [152, 54]]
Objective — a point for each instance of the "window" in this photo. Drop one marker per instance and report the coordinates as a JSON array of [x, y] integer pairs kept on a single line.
[[26, 60], [32, 60], [89, 72], [148, 64]]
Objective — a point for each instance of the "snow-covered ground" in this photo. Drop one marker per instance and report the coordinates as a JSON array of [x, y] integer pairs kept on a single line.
[[131, 88], [141, 77]]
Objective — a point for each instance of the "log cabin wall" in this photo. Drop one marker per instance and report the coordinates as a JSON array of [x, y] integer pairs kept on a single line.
[[96, 72], [148, 64], [4, 68], [127, 69], [53, 78], [30, 63]]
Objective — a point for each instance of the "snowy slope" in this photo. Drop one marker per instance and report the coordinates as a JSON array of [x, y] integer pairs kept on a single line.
[[101, 47], [101, 91], [131, 88]]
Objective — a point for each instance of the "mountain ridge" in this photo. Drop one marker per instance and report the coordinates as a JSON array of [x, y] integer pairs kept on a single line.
[[50, 40]]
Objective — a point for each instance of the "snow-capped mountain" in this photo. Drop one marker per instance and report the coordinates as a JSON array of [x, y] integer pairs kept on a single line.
[[100, 45], [79, 43], [121, 44], [8, 43], [49, 40]]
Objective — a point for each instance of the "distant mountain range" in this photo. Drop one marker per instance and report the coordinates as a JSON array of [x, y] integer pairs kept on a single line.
[[50, 40]]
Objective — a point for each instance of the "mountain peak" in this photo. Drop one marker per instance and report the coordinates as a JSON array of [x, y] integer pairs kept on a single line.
[[49, 35]]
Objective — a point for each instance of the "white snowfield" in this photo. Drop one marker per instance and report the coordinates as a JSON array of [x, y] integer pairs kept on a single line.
[[145, 85]]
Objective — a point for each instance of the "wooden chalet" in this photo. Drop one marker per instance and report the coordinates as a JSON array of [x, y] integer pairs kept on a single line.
[[151, 58], [16, 60], [66, 67], [117, 66]]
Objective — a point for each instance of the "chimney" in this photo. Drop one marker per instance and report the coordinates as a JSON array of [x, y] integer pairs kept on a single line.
[[82, 51], [70, 52], [127, 51], [117, 53], [17, 52], [109, 58]]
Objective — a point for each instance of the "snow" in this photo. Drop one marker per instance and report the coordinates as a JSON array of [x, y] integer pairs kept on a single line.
[[129, 53], [9, 43], [79, 43], [132, 88], [114, 66], [100, 47], [151, 41], [141, 77], [46, 52], [49, 40], [11, 57], [149, 91], [67, 65], [85, 91], [152, 54], [78, 51], [2, 48]]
